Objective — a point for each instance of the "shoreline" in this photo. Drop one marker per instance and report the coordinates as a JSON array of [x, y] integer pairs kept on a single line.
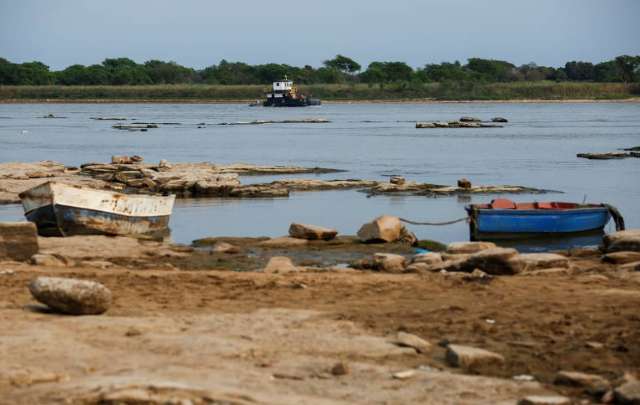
[[364, 101]]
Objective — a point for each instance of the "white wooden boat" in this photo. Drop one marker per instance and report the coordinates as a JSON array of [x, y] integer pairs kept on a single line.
[[60, 209]]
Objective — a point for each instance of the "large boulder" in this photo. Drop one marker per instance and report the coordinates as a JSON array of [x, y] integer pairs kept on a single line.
[[311, 232], [622, 240], [18, 240], [385, 228], [71, 296], [495, 261], [469, 247]]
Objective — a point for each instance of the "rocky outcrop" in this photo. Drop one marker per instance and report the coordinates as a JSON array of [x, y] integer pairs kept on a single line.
[[622, 240], [71, 296], [311, 232], [18, 240]]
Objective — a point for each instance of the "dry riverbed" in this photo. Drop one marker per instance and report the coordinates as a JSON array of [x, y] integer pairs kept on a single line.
[[224, 322]]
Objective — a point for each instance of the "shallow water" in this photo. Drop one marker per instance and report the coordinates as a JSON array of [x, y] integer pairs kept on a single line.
[[537, 148]]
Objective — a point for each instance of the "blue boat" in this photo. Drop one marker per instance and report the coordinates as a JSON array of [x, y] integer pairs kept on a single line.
[[504, 219]]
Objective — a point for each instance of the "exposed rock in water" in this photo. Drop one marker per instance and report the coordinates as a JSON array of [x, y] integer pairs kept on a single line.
[[470, 119], [71, 296], [311, 232], [609, 155], [499, 119], [399, 180], [633, 149], [471, 358], [18, 240], [385, 228], [289, 121], [464, 183]]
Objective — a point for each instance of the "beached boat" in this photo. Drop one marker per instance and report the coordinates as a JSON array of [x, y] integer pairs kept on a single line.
[[504, 219], [60, 209]]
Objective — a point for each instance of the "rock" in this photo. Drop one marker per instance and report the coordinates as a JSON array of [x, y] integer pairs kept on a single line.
[[46, 259], [469, 247], [418, 268], [628, 393], [121, 159], [389, 262], [622, 241], [464, 183], [404, 339], [431, 258], [99, 264], [224, 247], [340, 368], [591, 383], [404, 375], [471, 358], [477, 275], [495, 261], [399, 180], [470, 119], [499, 119], [283, 241], [545, 400], [311, 232], [425, 125], [634, 266], [408, 237], [279, 265], [385, 228], [621, 257], [18, 240], [71, 296], [538, 261], [441, 124]]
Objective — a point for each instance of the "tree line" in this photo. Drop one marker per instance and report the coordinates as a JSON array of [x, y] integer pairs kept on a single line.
[[341, 69]]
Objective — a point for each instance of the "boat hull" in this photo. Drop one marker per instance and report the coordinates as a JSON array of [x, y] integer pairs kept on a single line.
[[509, 223], [62, 210], [62, 220]]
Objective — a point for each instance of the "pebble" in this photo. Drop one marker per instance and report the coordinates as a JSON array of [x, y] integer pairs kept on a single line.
[[404, 375], [340, 368]]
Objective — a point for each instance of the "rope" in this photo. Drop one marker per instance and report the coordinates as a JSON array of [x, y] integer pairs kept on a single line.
[[617, 216], [434, 223]]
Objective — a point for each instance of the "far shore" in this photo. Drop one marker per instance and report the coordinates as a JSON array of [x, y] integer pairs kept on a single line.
[[364, 101]]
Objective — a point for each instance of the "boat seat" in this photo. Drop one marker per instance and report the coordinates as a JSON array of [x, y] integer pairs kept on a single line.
[[526, 206], [503, 203]]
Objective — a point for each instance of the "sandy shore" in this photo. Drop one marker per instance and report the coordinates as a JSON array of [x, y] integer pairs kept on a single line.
[[186, 324]]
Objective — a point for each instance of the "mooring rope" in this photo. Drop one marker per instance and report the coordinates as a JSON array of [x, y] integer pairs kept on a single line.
[[617, 216], [434, 223]]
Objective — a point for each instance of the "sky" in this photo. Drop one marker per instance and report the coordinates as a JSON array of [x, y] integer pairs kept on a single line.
[[200, 33]]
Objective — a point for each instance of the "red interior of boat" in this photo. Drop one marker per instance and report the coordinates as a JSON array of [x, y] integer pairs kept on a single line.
[[506, 204]]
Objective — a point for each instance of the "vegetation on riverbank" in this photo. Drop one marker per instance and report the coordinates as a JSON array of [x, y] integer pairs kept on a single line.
[[446, 91]]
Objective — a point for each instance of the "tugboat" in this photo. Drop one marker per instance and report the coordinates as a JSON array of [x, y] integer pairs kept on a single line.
[[285, 94]]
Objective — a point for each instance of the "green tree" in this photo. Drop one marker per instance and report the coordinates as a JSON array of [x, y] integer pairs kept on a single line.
[[492, 70], [161, 72], [579, 71], [343, 64], [629, 68]]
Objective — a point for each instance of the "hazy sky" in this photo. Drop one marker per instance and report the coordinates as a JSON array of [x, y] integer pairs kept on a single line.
[[199, 33]]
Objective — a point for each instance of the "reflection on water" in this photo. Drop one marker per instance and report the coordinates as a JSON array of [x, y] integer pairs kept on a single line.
[[373, 141]]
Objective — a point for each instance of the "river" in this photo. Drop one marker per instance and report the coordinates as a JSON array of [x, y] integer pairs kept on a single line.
[[537, 148]]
